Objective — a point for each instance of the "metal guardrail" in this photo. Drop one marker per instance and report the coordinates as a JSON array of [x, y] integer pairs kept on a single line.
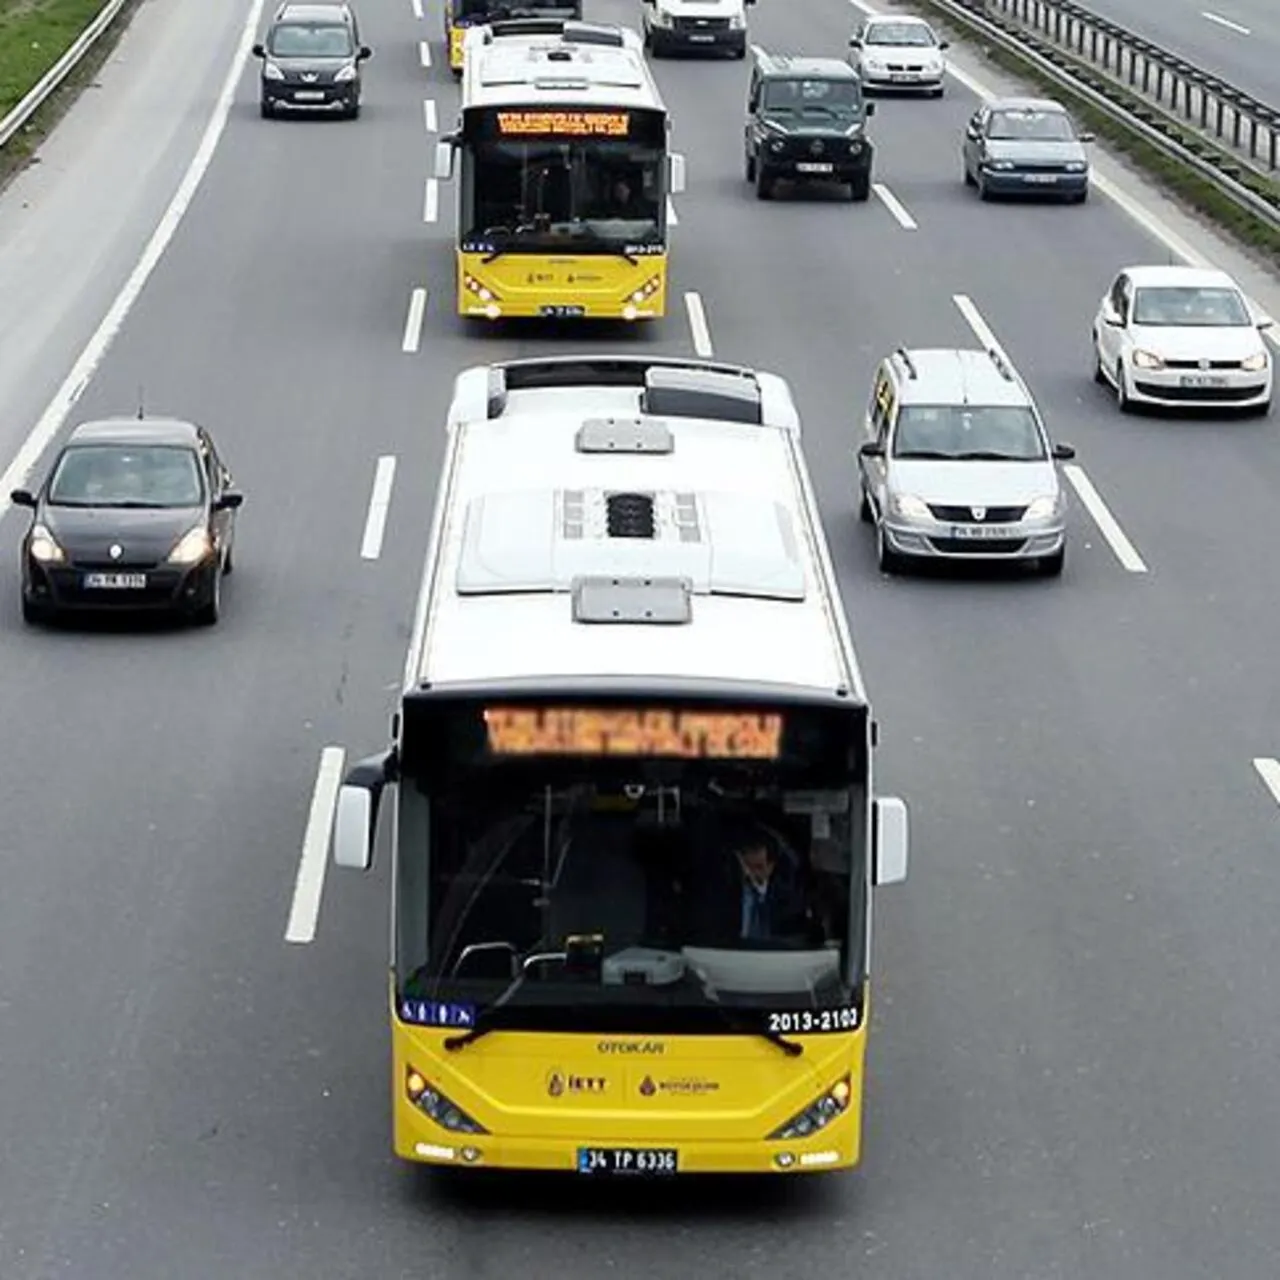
[[1101, 92], [1213, 106], [54, 77]]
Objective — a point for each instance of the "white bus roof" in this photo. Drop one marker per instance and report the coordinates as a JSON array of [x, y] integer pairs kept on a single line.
[[604, 521], [556, 63]]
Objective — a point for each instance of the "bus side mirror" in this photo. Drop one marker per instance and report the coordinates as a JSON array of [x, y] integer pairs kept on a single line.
[[355, 821], [889, 857], [444, 160], [675, 173]]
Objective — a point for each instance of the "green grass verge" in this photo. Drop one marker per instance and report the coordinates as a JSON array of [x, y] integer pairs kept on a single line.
[[1179, 181], [34, 34]]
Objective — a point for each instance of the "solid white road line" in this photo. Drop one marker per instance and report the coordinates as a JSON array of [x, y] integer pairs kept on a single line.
[[424, 52], [431, 201], [1269, 771], [55, 413], [413, 322], [1225, 22], [895, 207], [1107, 524], [309, 886], [417, 8], [973, 318], [698, 325], [379, 503], [672, 220], [429, 115]]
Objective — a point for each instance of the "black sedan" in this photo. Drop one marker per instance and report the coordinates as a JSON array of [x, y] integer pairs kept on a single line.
[[136, 513]]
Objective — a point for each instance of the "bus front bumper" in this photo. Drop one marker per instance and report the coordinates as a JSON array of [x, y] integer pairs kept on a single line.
[[574, 288]]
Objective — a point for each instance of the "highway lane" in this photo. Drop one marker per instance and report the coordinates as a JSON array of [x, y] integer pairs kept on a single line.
[[236, 1123], [1238, 40], [73, 224]]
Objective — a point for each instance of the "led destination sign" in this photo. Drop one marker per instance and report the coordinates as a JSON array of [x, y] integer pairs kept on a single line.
[[591, 731], [564, 124]]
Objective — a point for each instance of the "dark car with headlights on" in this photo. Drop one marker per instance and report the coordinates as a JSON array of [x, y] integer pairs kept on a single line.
[[1026, 146], [135, 514], [311, 60], [807, 122]]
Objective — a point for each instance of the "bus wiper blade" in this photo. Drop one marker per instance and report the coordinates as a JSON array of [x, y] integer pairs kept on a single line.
[[790, 1047], [484, 1019]]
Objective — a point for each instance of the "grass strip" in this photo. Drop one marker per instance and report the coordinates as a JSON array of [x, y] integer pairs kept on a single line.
[[34, 34], [1177, 179]]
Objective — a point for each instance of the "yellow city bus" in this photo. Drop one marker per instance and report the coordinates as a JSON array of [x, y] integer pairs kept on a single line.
[[585, 974], [461, 14], [564, 175]]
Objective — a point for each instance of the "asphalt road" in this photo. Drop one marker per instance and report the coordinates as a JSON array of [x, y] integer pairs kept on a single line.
[[1238, 40], [1072, 1071]]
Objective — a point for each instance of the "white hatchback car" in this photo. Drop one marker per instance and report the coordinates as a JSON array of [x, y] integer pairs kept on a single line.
[[899, 53], [1182, 337]]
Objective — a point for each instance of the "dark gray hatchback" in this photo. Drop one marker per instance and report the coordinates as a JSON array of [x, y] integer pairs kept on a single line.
[[311, 60]]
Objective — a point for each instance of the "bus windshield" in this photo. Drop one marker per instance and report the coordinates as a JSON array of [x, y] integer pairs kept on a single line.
[[586, 181], [481, 10], [564, 890]]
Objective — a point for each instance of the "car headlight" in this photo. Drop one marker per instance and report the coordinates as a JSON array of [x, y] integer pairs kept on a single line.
[[1043, 507], [999, 164], [818, 1114], [1254, 363], [661, 19], [429, 1100], [345, 75], [1146, 360], [44, 546], [1076, 166], [737, 22], [874, 64], [271, 72], [909, 507], [192, 547], [854, 130]]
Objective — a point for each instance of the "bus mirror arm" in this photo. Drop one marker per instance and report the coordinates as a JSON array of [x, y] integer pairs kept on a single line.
[[889, 852], [444, 157], [355, 821]]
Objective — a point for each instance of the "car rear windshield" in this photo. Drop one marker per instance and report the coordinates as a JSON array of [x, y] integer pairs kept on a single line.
[[899, 33], [108, 475], [1031, 126], [1004, 433], [1189, 307], [311, 40]]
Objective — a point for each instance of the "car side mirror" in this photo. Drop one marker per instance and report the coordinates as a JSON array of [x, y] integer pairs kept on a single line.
[[365, 53], [259, 51], [1063, 452], [1087, 137], [1266, 323], [855, 43], [23, 498], [872, 449], [231, 500], [870, 108], [944, 44], [1112, 317]]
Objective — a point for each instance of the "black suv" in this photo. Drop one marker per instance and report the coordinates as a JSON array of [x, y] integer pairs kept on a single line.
[[807, 122], [311, 60]]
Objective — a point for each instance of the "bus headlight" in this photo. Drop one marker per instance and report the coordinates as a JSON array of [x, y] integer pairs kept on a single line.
[[481, 291], [429, 1100], [817, 1115], [647, 290]]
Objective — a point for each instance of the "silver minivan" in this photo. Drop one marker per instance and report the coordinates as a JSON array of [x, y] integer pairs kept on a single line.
[[956, 463]]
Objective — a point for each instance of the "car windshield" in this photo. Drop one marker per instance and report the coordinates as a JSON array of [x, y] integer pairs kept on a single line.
[[311, 40], [1030, 126], [813, 96], [1193, 307], [1004, 433], [900, 33], [109, 475]]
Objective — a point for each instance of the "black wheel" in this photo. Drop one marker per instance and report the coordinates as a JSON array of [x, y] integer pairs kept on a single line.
[[264, 109], [983, 193], [1099, 373], [751, 168], [209, 613], [33, 614], [739, 54], [938, 92], [865, 514], [228, 561], [1122, 394], [888, 560], [352, 112], [1051, 566], [764, 183], [968, 177], [1080, 196], [860, 187]]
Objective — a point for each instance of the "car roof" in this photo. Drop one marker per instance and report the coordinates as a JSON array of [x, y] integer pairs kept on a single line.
[[1203, 277], [1016, 103], [136, 431], [897, 19], [786, 64], [951, 375], [314, 13]]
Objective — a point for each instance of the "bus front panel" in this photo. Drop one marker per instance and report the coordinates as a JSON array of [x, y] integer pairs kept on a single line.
[[461, 14]]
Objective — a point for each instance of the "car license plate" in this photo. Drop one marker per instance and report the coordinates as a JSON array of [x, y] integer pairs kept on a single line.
[[647, 1161], [1202, 380], [309, 95], [562, 312], [702, 39], [806, 166], [979, 531], [1042, 178], [115, 581], [904, 75]]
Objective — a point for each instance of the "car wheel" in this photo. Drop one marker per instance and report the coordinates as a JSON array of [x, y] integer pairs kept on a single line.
[[739, 54], [888, 560], [228, 561], [983, 193], [968, 177], [1099, 372], [1122, 392], [860, 187], [865, 514], [208, 614], [938, 92], [264, 109], [764, 182], [352, 112], [1051, 566], [32, 613], [751, 168]]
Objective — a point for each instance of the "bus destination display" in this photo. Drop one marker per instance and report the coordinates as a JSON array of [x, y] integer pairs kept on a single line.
[[564, 124], [595, 731]]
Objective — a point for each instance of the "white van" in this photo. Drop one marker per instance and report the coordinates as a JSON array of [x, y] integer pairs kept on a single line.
[[695, 26]]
